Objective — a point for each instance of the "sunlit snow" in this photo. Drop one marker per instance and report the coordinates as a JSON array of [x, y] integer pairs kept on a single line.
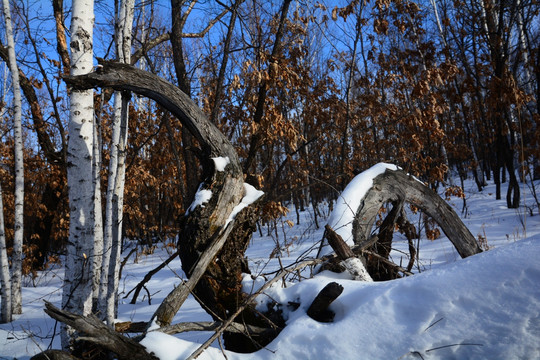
[[250, 196], [202, 196], [221, 162]]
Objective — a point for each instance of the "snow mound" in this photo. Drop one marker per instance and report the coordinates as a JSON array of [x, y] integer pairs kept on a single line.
[[484, 307]]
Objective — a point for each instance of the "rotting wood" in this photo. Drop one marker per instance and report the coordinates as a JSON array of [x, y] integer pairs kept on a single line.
[[343, 251], [93, 330], [218, 288], [249, 301]]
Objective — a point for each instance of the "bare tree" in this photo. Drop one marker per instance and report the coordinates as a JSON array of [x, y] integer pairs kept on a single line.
[[16, 260], [77, 292], [115, 189]]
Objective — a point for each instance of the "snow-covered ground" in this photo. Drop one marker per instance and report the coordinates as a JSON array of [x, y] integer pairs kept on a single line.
[[484, 307]]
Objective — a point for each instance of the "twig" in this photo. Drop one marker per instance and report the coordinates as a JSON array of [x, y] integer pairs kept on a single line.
[[412, 353], [447, 346], [434, 323]]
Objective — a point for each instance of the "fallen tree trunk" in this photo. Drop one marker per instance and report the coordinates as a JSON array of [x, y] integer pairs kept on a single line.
[[92, 329]]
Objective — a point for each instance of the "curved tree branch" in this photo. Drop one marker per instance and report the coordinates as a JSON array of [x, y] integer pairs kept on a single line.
[[399, 186]]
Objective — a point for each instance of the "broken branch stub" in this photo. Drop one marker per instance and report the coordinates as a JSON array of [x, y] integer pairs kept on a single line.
[[352, 264], [318, 309]]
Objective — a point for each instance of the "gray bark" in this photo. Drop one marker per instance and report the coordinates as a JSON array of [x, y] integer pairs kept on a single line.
[[94, 330], [398, 186], [204, 227], [115, 189]]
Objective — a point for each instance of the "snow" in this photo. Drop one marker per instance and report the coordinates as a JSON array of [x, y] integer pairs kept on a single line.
[[250, 196], [202, 196], [486, 306], [347, 204], [220, 162]]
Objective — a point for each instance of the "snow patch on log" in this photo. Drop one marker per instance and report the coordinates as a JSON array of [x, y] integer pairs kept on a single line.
[[356, 269], [221, 162], [202, 196], [341, 219], [250, 196]]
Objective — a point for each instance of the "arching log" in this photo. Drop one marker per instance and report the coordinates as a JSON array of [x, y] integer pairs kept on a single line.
[[397, 186], [219, 289]]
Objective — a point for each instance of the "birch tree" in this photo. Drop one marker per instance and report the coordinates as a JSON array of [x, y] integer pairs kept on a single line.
[[77, 292], [115, 188], [5, 291], [16, 259]]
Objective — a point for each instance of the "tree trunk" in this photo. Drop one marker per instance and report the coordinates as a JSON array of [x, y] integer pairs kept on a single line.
[[97, 251], [115, 187], [223, 68], [17, 255], [117, 216], [392, 186], [5, 283], [190, 161], [77, 292], [257, 138]]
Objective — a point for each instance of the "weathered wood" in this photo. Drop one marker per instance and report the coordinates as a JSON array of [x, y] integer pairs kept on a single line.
[[53, 355], [388, 262], [349, 260], [318, 309], [394, 186], [95, 331], [343, 251], [212, 326], [141, 326], [379, 269], [249, 302], [125, 77], [172, 303]]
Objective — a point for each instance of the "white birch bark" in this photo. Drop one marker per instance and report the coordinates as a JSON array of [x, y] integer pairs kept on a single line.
[[118, 205], [77, 292], [16, 258], [5, 285], [97, 255], [107, 222], [115, 187]]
